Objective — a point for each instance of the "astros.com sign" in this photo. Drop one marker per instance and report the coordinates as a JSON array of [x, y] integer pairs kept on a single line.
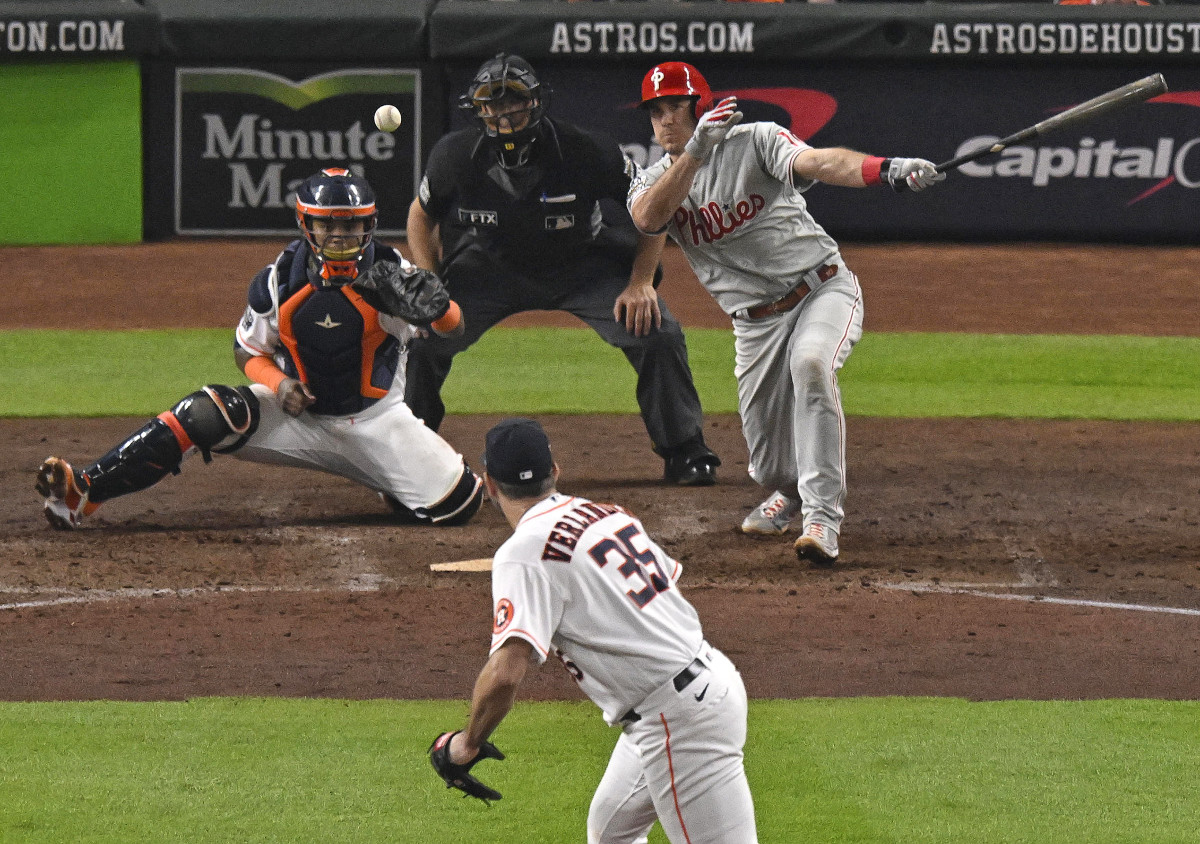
[[692, 37]]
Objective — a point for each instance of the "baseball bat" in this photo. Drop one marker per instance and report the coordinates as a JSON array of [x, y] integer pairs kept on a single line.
[[1134, 92]]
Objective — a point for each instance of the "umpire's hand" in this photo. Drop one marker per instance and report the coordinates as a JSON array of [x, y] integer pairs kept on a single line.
[[637, 307], [294, 396]]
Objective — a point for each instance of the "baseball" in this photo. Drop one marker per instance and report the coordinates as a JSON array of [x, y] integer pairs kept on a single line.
[[388, 117]]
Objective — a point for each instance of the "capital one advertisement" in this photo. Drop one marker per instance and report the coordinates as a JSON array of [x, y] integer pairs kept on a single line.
[[247, 137], [1127, 177]]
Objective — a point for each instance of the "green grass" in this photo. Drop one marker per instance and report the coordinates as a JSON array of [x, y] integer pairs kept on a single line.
[[862, 770], [562, 370], [865, 770]]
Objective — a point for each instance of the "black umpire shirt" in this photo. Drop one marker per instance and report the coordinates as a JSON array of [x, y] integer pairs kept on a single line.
[[534, 217]]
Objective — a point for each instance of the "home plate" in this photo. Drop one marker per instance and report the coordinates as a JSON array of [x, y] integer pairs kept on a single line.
[[482, 564]]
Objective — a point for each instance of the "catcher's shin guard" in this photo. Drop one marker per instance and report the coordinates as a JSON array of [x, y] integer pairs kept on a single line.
[[456, 508], [216, 418]]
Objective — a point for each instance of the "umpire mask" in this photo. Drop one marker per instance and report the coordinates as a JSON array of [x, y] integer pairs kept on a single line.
[[509, 102]]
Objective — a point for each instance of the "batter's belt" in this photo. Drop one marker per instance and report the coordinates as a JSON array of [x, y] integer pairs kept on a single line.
[[792, 298]]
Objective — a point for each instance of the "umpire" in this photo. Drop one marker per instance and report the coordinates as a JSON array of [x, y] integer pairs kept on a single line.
[[509, 214]]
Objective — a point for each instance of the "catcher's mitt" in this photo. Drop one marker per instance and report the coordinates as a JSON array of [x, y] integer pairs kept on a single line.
[[414, 295], [459, 776]]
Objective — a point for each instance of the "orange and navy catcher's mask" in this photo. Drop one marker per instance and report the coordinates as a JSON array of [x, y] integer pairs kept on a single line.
[[336, 196]]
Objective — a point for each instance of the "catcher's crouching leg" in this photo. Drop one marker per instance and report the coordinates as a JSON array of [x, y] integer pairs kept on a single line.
[[456, 508], [214, 418]]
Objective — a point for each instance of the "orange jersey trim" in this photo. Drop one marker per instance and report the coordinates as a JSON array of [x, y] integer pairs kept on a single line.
[[671, 769], [521, 633]]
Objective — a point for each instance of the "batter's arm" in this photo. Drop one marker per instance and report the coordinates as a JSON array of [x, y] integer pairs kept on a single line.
[[831, 165], [424, 241], [654, 207], [638, 303], [494, 695], [849, 169]]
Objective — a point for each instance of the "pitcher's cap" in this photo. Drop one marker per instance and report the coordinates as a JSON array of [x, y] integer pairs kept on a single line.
[[517, 451]]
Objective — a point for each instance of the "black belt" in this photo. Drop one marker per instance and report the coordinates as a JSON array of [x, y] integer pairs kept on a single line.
[[681, 682]]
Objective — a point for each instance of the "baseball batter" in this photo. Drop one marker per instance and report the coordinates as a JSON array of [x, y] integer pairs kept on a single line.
[[732, 197], [581, 581], [328, 373]]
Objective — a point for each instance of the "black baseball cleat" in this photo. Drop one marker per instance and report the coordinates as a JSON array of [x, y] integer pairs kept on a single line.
[[696, 466]]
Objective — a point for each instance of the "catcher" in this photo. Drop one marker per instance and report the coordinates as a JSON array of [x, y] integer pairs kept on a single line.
[[324, 339], [582, 581]]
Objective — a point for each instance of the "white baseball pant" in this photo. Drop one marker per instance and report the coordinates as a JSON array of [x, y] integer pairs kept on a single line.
[[786, 368], [681, 763], [385, 448]]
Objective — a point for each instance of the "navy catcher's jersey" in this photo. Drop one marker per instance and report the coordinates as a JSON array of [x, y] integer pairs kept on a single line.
[[532, 216], [324, 335]]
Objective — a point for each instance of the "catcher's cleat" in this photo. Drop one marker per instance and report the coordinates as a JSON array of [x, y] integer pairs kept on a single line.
[[691, 465], [773, 517], [818, 545], [66, 494]]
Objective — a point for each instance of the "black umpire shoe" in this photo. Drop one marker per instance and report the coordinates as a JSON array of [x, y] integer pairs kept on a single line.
[[691, 465]]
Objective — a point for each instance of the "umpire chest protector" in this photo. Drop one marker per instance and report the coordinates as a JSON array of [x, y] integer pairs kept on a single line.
[[332, 338], [541, 213]]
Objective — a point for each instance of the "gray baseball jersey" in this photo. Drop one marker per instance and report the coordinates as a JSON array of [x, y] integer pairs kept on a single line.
[[745, 227], [746, 230]]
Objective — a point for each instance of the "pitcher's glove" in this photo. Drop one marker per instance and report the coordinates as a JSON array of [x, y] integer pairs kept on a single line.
[[459, 776], [414, 295]]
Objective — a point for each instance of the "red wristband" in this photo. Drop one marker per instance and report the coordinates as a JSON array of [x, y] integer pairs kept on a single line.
[[872, 169]]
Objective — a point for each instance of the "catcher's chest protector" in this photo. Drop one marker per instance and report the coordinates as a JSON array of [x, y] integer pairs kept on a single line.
[[336, 346]]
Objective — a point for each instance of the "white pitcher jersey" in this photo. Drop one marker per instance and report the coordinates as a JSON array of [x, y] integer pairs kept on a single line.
[[745, 198], [582, 580]]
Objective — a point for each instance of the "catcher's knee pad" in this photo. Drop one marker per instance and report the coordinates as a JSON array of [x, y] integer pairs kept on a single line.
[[461, 503], [214, 418], [456, 508]]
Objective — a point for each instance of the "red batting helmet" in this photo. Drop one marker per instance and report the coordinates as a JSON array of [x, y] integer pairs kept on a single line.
[[677, 79]]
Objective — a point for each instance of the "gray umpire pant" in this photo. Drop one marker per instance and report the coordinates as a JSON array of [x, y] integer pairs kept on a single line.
[[587, 287]]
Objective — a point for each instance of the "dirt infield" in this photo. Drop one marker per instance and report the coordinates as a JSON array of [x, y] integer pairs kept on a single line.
[[981, 558]]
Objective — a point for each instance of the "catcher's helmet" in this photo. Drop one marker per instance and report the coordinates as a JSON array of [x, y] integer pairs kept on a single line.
[[677, 79], [327, 201], [506, 86]]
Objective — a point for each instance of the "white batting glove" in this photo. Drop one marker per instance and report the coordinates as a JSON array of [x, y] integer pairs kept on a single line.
[[917, 173], [714, 125]]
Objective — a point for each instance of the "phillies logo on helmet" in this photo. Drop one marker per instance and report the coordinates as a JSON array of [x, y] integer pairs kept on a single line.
[[677, 79]]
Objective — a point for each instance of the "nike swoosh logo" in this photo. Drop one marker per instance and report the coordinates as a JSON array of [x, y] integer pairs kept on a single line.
[[703, 692]]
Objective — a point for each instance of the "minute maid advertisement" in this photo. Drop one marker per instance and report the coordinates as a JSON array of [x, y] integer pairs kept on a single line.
[[246, 138]]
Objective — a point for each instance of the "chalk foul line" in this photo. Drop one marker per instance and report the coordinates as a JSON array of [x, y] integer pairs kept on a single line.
[[1032, 599], [361, 583]]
